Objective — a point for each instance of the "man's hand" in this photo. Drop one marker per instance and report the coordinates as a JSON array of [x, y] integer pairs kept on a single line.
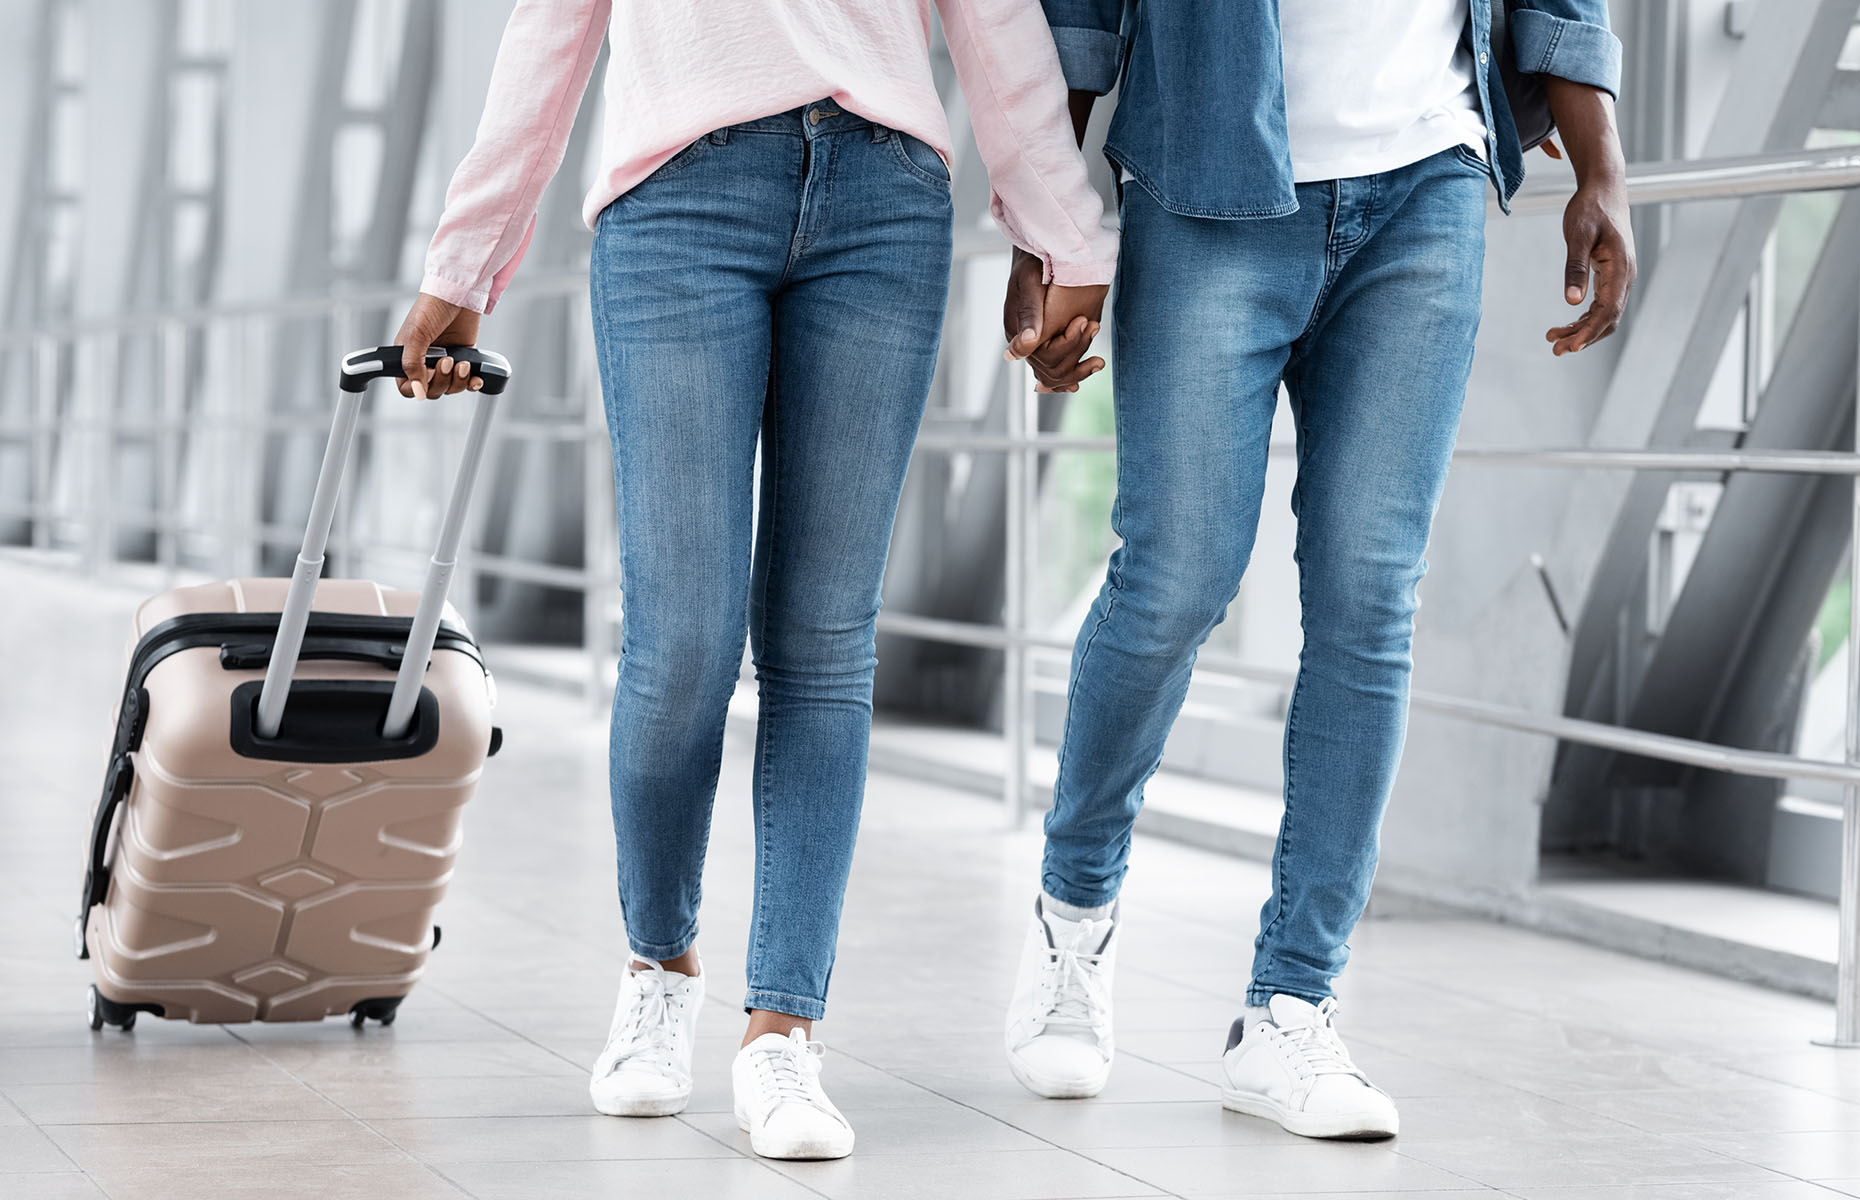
[[1051, 326], [1595, 224], [433, 322]]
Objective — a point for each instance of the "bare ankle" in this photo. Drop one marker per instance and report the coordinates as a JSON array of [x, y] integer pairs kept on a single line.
[[685, 964], [762, 1021]]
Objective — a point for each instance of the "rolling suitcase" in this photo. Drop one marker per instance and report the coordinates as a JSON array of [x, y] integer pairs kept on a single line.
[[282, 805]]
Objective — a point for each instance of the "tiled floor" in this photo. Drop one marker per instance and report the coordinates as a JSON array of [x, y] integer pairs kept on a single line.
[[1524, 1066]]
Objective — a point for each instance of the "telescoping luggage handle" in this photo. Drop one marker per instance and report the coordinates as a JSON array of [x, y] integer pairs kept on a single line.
[[359, 369]]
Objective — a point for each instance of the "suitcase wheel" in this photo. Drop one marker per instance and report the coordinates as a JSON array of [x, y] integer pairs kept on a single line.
[[382, 1009], [105, 1011]]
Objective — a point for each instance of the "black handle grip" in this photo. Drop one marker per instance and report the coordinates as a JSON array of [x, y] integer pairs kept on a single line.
[[363, 367], [97, 876]]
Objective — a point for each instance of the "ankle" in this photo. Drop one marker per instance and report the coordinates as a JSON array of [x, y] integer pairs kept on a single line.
[[685, 964], [762, 1021]]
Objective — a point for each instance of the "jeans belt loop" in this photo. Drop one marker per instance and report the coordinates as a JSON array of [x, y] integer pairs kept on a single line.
[[879, 132], [720, 137]]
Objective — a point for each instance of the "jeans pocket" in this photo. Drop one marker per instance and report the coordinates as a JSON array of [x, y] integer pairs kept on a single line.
[[680, 160], [919, 159], [1469, 159]]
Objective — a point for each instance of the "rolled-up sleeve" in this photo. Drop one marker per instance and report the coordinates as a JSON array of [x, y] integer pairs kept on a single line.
[[1088, 36], [1043, 200], [543, 64], [1569, 39]]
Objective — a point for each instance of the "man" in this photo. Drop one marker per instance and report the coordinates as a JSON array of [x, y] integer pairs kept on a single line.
[[1303, 197]]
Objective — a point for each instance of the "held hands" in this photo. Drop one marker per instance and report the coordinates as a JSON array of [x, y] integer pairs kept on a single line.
[[432, 321], [1051, 326]]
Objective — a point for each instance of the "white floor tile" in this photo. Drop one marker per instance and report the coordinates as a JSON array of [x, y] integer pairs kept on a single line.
[[1552, 1070]]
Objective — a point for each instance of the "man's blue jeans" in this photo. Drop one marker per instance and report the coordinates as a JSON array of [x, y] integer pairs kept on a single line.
[[1364, 302], [781, 280]]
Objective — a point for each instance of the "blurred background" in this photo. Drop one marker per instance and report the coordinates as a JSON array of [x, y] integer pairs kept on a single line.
[[203, 201]]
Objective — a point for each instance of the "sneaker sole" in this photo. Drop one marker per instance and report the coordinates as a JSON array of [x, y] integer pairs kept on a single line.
[[1361, 1127], [806, 1150], [641, 1106], [1059, 1089]]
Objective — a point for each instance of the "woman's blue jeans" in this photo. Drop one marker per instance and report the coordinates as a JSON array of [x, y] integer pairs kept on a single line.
[[1364, 302], [782, 282]]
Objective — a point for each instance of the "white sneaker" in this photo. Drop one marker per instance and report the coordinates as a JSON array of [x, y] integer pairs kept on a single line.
[[1288, 1065], [1059, 1041], [645, 1071], [780, 1103]]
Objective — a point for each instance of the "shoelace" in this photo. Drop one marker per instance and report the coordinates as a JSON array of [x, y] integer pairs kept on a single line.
[[788, 1071], [646, 1031], [1071, 994], [1315, 1049]]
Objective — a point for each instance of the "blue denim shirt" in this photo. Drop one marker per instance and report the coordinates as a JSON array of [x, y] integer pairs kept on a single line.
[[1201, 123]]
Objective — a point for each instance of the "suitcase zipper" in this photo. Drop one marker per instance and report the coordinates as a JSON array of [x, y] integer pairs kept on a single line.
[[195, 630]]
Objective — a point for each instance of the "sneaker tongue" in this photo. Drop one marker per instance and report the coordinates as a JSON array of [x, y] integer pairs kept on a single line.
[[1087, 936], [1289, 1012]]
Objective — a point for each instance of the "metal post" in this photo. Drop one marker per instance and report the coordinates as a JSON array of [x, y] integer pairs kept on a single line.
[[45, 432], [1847, 970], [168, 433], [597, 558], [1029, 580], [243, 510], [1014, 714], [103, 380], [599, 524], [342, 556]]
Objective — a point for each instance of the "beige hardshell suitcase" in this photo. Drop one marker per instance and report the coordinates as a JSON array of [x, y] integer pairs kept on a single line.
[[283, 801]]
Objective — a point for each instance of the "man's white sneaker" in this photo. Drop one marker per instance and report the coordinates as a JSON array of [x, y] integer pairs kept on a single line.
[[1059, 1042], [780, 1103], [645, 1071], [1287, 1064]]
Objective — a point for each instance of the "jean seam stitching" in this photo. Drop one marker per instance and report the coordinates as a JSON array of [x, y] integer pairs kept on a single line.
[[765, 715], [1114, 583], [1556, 36], [797, 245], [1330, 239], [816, 1007], [1283, 851], [904, 159]]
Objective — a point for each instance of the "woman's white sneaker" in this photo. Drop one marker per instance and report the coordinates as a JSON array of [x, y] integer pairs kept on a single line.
[[1059, 1042], [780, 1103], [645, 1071], [1286, 1063]]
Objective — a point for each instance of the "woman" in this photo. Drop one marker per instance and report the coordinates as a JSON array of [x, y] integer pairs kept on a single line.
[[772, 253]]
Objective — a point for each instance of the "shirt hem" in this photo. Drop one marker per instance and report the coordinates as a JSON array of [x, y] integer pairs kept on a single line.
[[1121, 163], [1356, 167]]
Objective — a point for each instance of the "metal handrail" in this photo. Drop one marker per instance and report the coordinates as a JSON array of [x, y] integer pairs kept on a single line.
[[1686, 751], [1786, 462], [1776, 174], [1773, 174]]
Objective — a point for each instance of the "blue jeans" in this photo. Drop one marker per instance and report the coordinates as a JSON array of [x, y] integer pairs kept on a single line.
[[781, 280], [1364, 302]]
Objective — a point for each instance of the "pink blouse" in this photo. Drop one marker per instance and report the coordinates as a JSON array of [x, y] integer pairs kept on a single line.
[[682, 68]]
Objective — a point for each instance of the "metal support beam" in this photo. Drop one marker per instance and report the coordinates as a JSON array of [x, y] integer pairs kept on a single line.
[[1673, 345], [1847, 979]]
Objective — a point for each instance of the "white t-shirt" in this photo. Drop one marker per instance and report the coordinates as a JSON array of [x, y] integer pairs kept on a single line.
[[1372, 85]]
